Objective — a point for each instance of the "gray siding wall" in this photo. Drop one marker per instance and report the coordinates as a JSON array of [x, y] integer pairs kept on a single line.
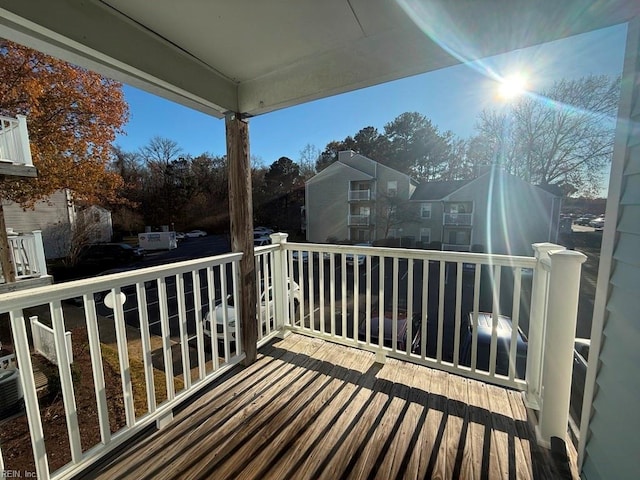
[[613, 446], [327, 204], [434, 223], [327, 199], [50, 216], [508, 213], [385, 175]]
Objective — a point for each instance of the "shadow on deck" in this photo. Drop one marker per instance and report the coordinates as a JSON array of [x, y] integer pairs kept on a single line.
[[312, 409]]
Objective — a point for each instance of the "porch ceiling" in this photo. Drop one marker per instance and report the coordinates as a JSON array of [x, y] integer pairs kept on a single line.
[[256, 57]]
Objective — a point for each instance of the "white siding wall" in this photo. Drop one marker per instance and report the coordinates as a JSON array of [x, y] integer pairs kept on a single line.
[[610, 441]]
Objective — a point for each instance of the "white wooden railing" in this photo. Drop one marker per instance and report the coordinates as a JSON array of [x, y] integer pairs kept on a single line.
[[163, 306], [333, 292], [440, 294], [433, 299], [27, 252], [14, 141]]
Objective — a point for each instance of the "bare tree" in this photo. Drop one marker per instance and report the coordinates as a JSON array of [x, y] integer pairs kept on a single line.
[[309, 155], [160, 151], [563, 136]]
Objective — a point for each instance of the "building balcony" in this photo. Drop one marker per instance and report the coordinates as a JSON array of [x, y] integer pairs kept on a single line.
[[163, 395], [358, 220], [27, 254], [457, 219], [15, 153], [360, 195]]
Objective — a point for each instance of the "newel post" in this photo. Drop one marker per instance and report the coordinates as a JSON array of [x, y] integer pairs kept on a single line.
[[38, 249], [241, 211], [537, 322], [562, 310], [280, 282], [24, 141]]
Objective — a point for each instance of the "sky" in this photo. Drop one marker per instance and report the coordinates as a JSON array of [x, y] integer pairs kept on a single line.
[[451, 98]]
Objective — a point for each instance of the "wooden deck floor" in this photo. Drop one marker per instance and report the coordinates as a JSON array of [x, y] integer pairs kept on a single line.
[[309, 409]]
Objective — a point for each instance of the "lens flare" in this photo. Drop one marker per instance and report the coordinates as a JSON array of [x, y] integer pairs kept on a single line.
[[512, 86]]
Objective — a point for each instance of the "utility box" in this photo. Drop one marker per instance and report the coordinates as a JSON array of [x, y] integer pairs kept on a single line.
[[157, 240]]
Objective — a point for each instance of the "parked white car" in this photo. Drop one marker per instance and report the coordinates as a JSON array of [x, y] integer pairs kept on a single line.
[[597, 223], [196, 234], [261, 241], [263, 231], [266, 312]]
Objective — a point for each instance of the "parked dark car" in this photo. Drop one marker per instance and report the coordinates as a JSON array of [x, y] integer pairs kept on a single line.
[[584, 219], [387, 330], [109, 254], [503, 344]]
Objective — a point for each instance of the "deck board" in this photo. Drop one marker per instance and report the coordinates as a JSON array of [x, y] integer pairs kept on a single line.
[[309, 409]]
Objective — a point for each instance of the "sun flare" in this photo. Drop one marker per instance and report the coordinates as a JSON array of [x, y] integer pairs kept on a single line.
[[512, 86]]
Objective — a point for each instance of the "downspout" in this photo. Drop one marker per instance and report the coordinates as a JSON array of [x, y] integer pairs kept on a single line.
[[553, 201]]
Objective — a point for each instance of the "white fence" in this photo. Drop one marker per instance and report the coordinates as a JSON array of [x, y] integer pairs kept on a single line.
[[44, 341]]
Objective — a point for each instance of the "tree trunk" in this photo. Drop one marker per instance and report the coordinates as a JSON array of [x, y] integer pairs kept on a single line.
[[6, 261]]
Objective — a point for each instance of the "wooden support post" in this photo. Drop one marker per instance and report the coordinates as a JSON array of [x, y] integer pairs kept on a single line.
[[241, 209]]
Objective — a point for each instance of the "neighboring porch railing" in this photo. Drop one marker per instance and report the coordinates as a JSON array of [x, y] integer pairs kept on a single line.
[[358, 220], [462, 219], [359, 195], [28, 256], [14, 141], [160, 317]]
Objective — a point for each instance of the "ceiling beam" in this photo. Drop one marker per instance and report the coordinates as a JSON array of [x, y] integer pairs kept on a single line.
[[94, 36]]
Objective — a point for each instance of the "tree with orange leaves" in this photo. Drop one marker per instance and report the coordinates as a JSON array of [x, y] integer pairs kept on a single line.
[[73, 117]]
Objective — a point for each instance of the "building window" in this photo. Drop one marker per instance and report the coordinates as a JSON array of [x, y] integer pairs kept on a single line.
[[425, 210], [392, 188], [425, 235]]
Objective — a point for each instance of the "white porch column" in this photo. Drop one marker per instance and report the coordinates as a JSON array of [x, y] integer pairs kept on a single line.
[[562, 310], [280, 282], [537, 322]]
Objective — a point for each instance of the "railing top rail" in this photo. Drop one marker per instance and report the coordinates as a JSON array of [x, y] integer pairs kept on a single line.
[[9, 119], [37, 296], [417, 254], [266, 249]]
